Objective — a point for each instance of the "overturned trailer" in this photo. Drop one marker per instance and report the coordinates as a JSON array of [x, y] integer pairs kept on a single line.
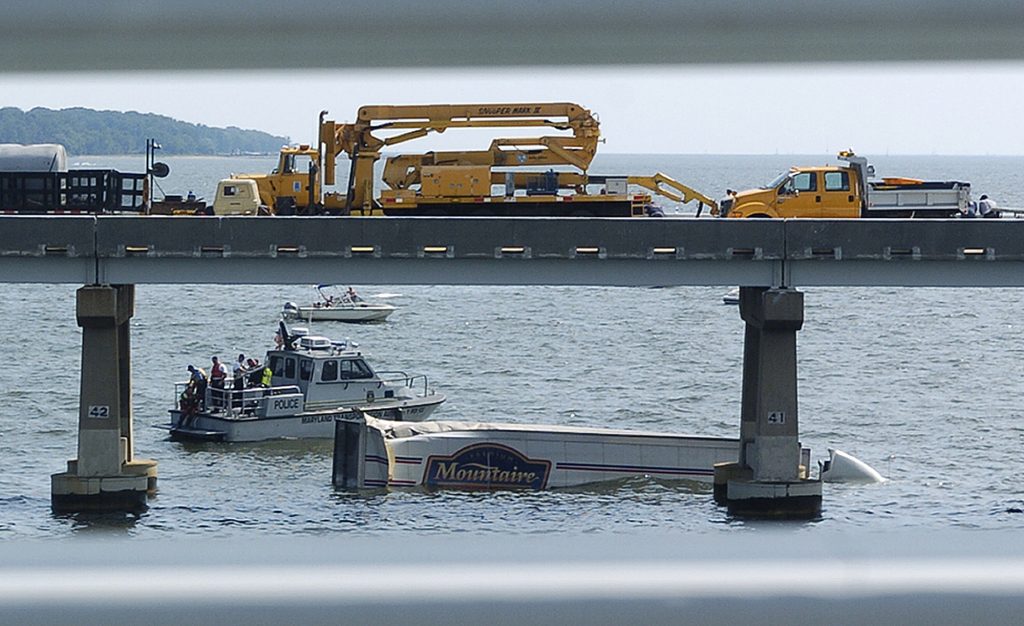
[[374, 453], [371, 453]]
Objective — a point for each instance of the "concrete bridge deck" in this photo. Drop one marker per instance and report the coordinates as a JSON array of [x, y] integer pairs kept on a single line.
[[671, 251]]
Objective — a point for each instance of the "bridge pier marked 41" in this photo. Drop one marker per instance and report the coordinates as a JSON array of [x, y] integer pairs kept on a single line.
[[768, 479]]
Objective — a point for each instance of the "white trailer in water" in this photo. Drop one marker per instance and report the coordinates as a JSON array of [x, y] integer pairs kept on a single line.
[[373, 453], [40, 157]]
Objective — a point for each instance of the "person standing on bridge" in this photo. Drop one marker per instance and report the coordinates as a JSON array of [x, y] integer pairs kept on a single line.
[[987, 207]]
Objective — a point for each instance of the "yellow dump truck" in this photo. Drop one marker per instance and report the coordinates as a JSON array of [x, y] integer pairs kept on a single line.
[[843, 191]]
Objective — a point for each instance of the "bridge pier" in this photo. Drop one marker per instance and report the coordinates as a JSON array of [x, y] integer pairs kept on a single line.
[[768, 480], [106, 476]]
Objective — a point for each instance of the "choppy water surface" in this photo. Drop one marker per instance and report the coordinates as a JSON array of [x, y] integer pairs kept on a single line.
[[924, 384]]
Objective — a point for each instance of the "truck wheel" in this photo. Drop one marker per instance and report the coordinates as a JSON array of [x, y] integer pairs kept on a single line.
[[284, 206]]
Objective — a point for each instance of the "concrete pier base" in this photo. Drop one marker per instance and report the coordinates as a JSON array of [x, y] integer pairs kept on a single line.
[[768, 479], [799, 499], [105, 476]]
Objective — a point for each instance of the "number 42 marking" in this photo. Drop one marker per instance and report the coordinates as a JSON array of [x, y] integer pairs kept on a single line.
[[99, 411]]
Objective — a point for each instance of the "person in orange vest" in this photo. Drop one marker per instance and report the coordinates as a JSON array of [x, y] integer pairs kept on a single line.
[[218, 376]]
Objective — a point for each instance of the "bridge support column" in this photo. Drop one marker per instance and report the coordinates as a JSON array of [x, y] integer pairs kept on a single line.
[[106, 476], [768, 480]]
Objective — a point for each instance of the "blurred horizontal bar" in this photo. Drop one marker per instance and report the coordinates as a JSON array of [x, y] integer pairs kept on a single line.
[[664, 578], [49, 35]]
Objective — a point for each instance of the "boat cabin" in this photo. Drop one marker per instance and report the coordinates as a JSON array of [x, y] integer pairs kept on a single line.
[[327, 373]]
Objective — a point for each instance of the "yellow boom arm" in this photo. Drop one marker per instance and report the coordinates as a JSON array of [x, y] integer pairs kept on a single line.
[[363, 147]]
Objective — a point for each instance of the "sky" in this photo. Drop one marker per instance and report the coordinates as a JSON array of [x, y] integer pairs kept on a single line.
[[926, 108]]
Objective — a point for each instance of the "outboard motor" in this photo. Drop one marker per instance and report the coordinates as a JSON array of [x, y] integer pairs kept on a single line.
[[841, 467], [290, 310]]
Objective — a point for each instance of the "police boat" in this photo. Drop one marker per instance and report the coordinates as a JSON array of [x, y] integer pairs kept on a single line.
[[311, 380]]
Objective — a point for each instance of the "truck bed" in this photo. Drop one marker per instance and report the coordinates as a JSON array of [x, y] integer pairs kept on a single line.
[[917, 199]]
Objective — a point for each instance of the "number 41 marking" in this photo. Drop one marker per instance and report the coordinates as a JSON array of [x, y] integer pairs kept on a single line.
[[776, 417]]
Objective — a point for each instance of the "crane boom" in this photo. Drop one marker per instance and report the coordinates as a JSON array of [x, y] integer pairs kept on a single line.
[[359, 141]]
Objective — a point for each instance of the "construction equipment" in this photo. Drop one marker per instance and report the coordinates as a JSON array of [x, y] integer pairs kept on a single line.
[[36, 179], [461, 183], [293, 187], [842, 191]]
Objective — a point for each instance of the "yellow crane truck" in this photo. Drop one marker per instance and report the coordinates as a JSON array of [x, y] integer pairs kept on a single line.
[[462, 183], [843, 191]]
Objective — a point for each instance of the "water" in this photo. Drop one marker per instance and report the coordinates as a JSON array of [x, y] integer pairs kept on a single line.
[[923, 384]]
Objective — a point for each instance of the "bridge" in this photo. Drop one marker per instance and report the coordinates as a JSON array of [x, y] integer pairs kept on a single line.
[[521, 251], [980, 572], [770, 259]]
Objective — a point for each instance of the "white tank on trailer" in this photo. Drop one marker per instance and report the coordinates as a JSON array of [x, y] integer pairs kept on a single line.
[[40, 157]]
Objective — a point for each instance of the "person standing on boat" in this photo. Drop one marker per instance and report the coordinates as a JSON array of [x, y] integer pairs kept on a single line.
[[218, 376], [352, 296], [198, 383], [238, 381], [254, 372], [266, 378]]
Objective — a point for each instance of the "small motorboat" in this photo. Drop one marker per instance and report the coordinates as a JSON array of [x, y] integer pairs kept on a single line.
[[346, 306], [313, 380], [732, 296]]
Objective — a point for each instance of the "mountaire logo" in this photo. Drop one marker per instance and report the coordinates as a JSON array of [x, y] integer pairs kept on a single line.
[[487, 466]]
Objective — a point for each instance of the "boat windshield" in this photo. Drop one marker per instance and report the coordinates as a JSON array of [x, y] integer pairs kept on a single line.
[[345, 370], [776, 181]]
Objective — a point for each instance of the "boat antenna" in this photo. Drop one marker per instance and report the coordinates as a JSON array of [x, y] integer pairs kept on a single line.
[[285, 337]]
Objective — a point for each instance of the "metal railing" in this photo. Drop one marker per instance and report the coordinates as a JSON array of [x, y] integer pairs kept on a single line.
[[229, 402], [401, 378]]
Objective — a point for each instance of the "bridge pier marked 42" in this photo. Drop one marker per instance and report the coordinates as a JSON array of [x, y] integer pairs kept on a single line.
[[106, 476]]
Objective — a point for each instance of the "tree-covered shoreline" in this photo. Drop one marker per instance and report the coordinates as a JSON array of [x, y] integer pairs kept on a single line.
[[87, 131]]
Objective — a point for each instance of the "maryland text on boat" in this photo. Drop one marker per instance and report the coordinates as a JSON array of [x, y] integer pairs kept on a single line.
[[314, 380], [343, 307]]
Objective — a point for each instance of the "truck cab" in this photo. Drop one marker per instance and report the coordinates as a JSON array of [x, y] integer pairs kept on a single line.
[[294, 185], [813, 192], [236, 196]]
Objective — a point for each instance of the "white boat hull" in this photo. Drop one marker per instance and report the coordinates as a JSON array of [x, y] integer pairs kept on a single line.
[[305, 425], [358, 313]]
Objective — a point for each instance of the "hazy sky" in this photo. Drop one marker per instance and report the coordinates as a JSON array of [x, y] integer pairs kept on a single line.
[[954, 109]]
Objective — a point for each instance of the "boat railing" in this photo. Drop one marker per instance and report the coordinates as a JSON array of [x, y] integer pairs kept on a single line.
[[235, 402], [417, 382]]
